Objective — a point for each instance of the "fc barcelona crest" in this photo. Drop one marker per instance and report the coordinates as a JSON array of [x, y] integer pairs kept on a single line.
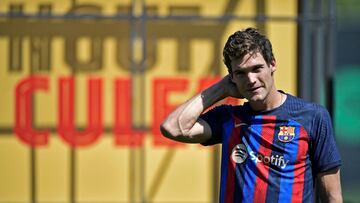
[[286, 133]]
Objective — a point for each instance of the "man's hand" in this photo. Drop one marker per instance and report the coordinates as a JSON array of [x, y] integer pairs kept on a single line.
[[230, 87]]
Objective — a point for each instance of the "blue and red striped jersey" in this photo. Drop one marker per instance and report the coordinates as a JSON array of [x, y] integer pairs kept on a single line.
[[272, 156]]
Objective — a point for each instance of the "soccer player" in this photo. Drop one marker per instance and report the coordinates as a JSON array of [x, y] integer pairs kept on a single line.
[[275, 146]]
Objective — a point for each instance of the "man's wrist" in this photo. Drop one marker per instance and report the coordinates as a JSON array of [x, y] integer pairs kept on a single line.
[[214, 94]]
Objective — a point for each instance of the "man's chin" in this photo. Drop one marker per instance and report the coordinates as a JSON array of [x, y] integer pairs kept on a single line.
[[255, 98]]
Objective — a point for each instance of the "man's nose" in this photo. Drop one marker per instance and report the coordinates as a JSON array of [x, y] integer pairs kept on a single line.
[[251, 78]]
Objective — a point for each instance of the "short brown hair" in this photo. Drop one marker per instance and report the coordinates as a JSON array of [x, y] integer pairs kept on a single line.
[[247, 41]]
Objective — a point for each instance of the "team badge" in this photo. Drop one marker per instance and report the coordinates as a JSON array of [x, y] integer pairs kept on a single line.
[[286, 133]]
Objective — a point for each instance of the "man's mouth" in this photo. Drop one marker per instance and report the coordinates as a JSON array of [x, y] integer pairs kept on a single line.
[[254, 89]]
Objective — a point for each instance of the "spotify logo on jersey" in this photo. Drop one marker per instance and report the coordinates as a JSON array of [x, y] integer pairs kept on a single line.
[[239, 153]]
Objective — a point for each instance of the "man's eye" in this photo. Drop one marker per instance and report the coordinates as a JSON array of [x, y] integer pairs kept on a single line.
[[257, 69]]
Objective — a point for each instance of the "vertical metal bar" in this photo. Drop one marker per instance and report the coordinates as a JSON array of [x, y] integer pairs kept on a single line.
[[33, 155], [304, 54], [318, 76], [132, 154], [33, 181], [261, 15], [131, 175], [318, 62], [15, 53], [142, 106], [73, 154], [72, 192], [15, 43], [315, 91], [73, 3], [72, 175], [330, 55]]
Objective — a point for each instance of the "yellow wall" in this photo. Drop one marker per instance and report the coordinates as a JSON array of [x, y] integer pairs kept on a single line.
[[104, 171]]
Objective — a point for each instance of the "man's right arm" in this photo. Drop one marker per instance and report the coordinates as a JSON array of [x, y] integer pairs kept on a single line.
[[184, 125]]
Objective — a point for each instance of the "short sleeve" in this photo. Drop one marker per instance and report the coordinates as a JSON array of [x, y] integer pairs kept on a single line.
[[215, 118], [324, 151]]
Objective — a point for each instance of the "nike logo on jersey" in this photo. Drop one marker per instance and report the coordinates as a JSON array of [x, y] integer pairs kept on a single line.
[[239, 124]]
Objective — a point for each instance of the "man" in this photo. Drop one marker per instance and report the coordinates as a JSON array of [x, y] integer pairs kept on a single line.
[[275, 146]]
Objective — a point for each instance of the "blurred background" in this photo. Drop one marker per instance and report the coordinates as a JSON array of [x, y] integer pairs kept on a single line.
[[85, 84]]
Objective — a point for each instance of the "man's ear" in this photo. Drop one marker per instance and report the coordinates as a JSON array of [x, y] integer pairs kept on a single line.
[[273, 66]]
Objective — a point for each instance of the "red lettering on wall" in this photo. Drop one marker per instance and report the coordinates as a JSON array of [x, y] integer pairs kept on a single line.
[[124, 133], [23, 111], [161, 108], [66, 127], [207, 82]]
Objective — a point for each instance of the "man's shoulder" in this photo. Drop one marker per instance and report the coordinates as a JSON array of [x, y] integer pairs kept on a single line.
[[297, 103], [306, 112]]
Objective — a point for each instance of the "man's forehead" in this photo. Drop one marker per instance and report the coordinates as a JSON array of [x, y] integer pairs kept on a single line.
[[248, 59]]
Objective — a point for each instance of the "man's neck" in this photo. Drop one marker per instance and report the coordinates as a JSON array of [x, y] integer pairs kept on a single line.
[[273, 100]]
